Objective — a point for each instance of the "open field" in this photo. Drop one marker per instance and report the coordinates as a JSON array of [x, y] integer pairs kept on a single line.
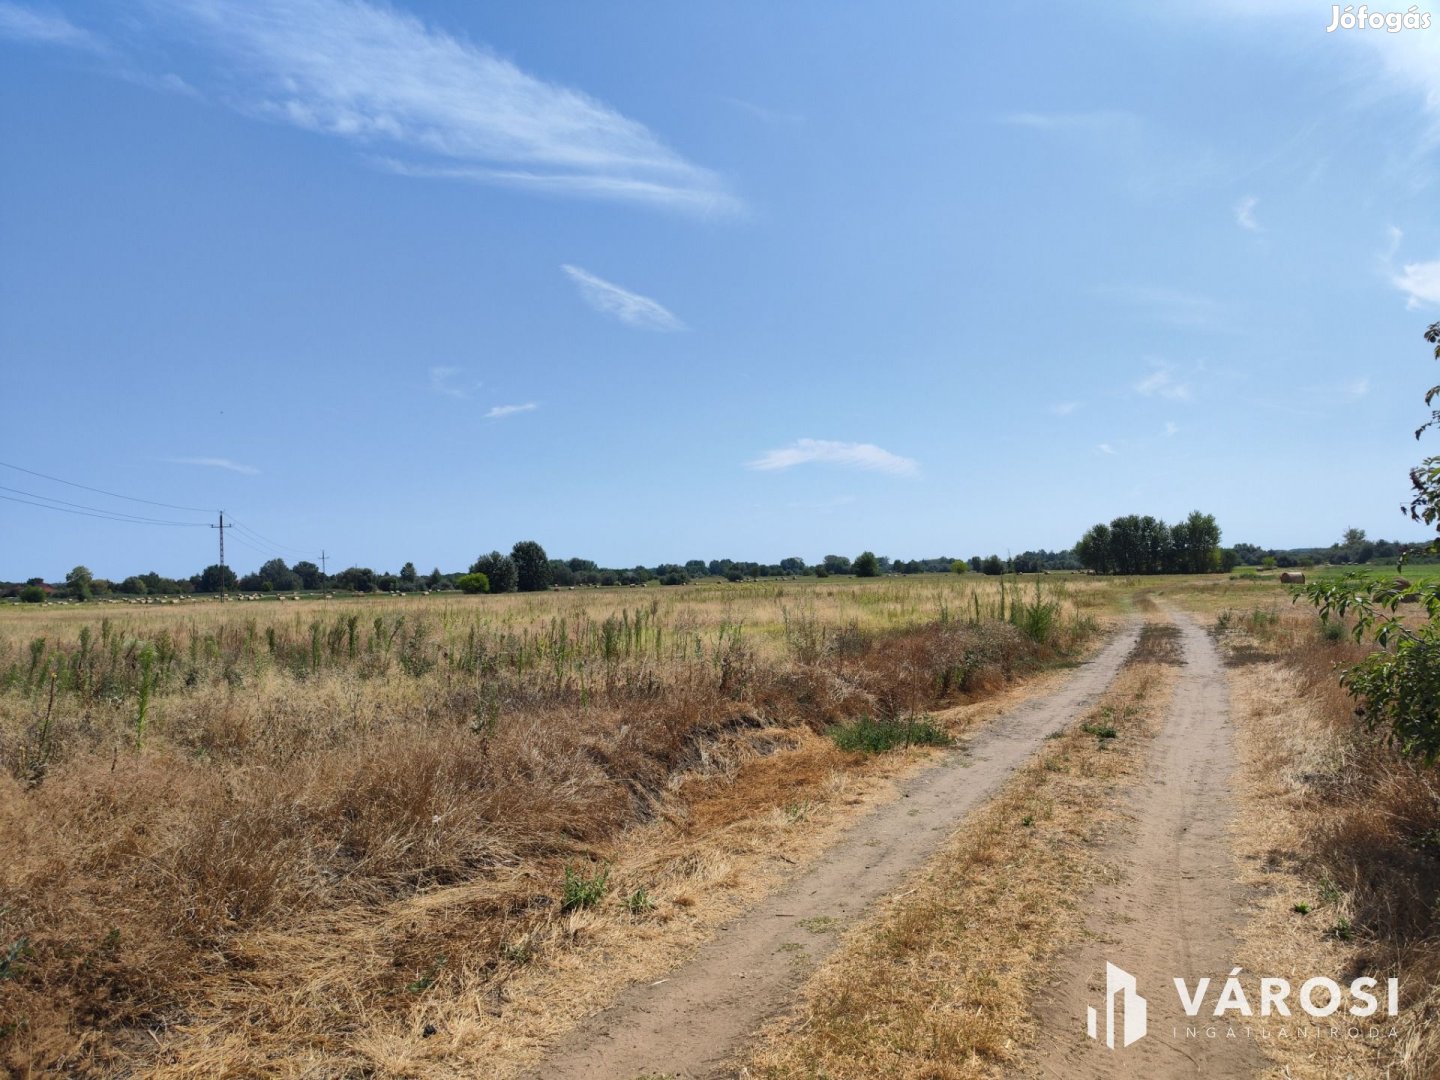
[[430, 836], [180, 780]]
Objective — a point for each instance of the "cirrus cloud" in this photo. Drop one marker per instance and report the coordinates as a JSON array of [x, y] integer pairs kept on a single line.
[[828, 452], [628, 307]]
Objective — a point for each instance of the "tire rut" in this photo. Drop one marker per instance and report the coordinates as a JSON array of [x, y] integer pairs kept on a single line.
[[690, 1023], [1172, 912]]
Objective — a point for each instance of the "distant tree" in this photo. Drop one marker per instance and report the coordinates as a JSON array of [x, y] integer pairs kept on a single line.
[[164, 586], [309, 575], [433, 578], [1268, 562], [215, 578], [280, 576], [696, 568], [793, 565], [357, 579], [78, 582], [1093, 550], [959, 566], [532, 566], [473, 583], [498, 569], [821, 572], [32, 594], [1352, 538], [837, 564], [866, 565], [561, 574], [993, 566], [409, 574], [133, 586]]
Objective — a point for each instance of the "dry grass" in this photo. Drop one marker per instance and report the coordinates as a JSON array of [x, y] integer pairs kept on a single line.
[[1333, 821], [938, 984], [328, 827]]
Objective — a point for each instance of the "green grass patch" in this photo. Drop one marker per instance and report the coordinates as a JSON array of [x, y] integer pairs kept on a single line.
[[870, 736]]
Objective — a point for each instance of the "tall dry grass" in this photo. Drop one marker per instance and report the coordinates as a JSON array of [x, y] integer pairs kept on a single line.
[[177, 786], [1360, 825]]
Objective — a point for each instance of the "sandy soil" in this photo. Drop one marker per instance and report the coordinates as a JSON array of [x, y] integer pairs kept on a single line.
[[1173, 909], [689, 1023]]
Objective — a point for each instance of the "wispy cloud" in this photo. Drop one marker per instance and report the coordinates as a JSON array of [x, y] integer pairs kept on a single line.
[[825, 452], [1357, 388], [1420, 282], [1171, 428], [499, 412], [442, 381], [1163, 382], [630, 308], [1245, 213], [1066, 408], [422, 101], [216, 463], [45, 28], [1105, 448]]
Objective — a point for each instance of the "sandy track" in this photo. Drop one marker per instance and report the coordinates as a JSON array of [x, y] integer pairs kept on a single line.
[[1174, 907], [690, 1023]]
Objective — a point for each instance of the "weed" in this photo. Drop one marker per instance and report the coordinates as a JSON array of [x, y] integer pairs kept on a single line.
[[1329, 891], [1301, 908], [11, 964], [1342, 930], [426, 981], [870, 736], [820, 924], [584, 890], [1100, 731], [1028, 821], [639, 902]]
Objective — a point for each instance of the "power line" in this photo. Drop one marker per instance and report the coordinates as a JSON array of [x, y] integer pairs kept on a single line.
[[118, 515], [102, 491], [102, 516], [265, 539]]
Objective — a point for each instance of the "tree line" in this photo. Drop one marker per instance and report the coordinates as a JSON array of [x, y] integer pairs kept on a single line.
[[1146, 545], [1127, 545]]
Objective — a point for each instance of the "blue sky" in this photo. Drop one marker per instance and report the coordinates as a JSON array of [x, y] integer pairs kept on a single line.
[[653, 281]]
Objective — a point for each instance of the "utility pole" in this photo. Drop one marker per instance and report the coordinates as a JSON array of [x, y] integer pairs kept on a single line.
[[324, 581], [224, 592]]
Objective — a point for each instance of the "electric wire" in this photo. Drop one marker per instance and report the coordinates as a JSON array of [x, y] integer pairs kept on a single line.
[[118, 515], [102, 491], [103, 516]]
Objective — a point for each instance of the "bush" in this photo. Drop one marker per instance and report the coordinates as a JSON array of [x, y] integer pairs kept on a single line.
[[473, 583], [32, 594]]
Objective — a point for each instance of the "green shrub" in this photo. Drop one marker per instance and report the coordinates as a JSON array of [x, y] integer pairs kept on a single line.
[[870, 736], [32, 594], [473, 583]]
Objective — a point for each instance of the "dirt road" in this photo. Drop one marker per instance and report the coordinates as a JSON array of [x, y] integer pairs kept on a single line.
[[689, 1023], [1172, 911]]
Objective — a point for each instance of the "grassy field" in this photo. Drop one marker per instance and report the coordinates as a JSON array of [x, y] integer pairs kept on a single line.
[[178, 781], [294, 838]]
